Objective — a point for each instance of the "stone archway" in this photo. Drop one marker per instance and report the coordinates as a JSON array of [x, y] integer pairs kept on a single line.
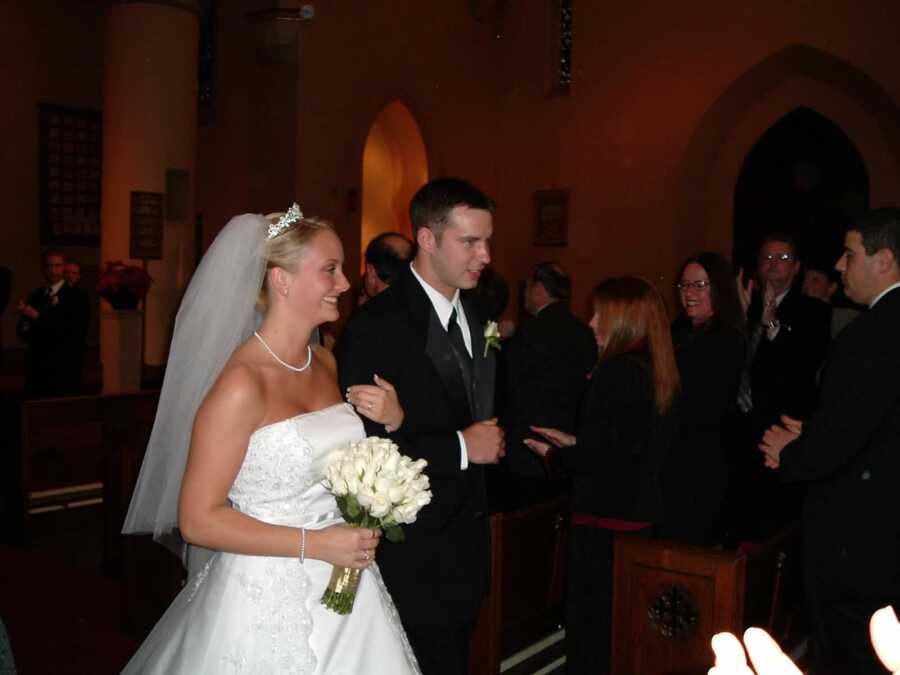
[[803, 177], [395, 165], [789, 79]]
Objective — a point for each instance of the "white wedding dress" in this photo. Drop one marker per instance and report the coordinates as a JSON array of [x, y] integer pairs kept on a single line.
[[255, 614]]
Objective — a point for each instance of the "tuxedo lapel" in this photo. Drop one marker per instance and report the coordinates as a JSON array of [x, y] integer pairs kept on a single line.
[[433, 338], [440, 351], [484, 365]]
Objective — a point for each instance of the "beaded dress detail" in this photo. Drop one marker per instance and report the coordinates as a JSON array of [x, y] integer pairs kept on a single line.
[[257, 614]]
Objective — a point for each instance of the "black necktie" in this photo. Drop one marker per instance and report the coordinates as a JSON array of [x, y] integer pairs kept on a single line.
[[466, 365], [454, 332], [745, 394]]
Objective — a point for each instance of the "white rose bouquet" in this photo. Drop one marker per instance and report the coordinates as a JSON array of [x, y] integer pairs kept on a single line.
[[377, 487]]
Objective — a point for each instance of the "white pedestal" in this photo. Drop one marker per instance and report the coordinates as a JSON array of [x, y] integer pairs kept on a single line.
[[121, 336]]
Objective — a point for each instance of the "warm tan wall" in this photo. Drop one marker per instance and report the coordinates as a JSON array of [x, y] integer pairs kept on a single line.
[[357, 57], [667, 100], [51, 51], [649, 158], [247, 151], [646, 77]]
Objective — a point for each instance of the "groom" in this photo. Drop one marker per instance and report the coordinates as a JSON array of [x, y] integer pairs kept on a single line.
[[426, 339]]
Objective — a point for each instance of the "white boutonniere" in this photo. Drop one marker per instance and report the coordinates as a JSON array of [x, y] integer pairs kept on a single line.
[[491, 336]]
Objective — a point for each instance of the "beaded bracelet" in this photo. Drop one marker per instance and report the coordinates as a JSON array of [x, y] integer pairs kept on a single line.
[[302, 545]]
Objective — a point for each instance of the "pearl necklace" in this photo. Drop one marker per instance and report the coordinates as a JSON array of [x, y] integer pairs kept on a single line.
[[287, 365]]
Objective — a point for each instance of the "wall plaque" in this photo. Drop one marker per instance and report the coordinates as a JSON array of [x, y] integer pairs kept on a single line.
[[146, 225], [552, 209]]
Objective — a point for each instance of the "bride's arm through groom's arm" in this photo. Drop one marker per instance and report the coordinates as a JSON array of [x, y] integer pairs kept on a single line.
[[228, 416], [363, 352]]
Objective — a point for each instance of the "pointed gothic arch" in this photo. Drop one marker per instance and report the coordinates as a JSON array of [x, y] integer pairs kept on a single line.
[[794, 77]]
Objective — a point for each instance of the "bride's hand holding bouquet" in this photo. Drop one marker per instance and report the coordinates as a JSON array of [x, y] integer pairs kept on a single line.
[[377, 488]]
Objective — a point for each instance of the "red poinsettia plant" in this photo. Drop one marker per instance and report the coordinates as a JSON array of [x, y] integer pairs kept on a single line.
[[123, 286]]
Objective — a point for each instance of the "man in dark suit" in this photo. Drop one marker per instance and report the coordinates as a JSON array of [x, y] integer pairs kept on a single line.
[[788, 335], [420, 335], [548, 361], [53, 322], [848, 456], [387, 255]]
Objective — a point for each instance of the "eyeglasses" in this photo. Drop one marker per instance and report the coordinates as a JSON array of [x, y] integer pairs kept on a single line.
[[780, 257], [696, 285]]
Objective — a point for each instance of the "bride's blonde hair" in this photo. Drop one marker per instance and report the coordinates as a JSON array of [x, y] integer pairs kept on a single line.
[[285, 249]]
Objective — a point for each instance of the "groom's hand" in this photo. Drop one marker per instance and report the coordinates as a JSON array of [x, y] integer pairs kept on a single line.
[[485, 442]]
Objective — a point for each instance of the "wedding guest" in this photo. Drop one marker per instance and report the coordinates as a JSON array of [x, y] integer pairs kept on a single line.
[[788, 334], [821, 281], [846, 456], [387, 255], [768, 659], [53, 323], [248, 414], [491, 294], [5, 287], [710, 346], [72, 271], [615, 459], [547, 361]]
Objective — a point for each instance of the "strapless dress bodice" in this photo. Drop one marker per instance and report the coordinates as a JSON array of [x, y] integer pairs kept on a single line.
[[280, 480]]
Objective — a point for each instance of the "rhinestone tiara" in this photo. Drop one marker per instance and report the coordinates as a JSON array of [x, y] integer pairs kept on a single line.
[[292, 216]]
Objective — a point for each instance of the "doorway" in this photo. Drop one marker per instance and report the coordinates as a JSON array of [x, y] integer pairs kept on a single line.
[[395, 166], [803, 177]]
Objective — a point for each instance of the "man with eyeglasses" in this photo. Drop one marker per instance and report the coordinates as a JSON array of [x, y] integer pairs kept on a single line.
[[788, 335]]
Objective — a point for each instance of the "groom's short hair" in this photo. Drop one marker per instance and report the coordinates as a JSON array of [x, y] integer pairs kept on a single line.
[[431, 205]]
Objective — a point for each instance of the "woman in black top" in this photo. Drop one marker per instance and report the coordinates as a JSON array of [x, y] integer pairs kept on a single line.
[[623, 434], [710, 349]]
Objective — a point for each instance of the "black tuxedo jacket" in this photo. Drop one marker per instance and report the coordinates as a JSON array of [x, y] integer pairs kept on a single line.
[[548, 362], [616, 466], [784, 370], [438, 575], [55, 341], [849, 457]]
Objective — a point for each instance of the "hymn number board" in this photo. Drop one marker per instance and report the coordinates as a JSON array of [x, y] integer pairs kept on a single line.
[[70, 164]]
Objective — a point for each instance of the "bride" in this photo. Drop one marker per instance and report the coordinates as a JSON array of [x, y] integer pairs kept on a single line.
[[232, 475]]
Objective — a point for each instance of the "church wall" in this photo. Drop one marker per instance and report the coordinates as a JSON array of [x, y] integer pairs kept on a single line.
[[645, 77], [634, 140], [52, 52], [357, 58]]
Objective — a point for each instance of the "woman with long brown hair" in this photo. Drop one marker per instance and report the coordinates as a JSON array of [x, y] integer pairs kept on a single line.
[[616, 458]]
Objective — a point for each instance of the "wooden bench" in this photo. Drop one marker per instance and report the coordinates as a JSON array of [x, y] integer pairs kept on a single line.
[[56, 454], [669, 600], [525, 599], [151, 575]]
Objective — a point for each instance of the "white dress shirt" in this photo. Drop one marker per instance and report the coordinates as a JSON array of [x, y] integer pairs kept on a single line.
[[884, 293], [444, 308], [772, 333]]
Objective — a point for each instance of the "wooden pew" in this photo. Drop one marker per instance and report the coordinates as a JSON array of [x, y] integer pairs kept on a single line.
[[58, 451], [669, 600], [151, 575], [525, 599], [59, 460]]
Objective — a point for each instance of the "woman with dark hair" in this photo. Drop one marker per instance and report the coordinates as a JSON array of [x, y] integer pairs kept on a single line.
[[710, 348], [615, 461]]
